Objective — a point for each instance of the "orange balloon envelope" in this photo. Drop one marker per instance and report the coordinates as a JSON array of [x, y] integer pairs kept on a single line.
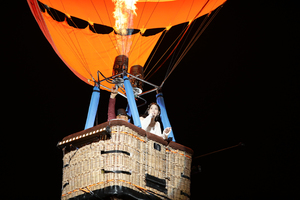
[[85, 35]]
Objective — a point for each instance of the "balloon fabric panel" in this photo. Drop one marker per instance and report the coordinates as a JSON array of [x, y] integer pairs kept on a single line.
[[150, 13], [85, 50]]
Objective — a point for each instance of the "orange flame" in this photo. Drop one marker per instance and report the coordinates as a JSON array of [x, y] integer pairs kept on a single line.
[[123, 14]]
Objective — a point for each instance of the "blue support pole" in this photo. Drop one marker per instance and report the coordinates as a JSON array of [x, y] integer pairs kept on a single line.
[[131, 102], [163, 114], [90, 120]]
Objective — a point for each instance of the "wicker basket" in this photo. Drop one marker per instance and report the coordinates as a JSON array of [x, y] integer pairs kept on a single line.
[[116, 159]]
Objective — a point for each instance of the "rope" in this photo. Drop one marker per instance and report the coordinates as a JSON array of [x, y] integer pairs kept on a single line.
[[180, 38], [192, 42], [102, 23], [89, 191], [239, 144], [157, 46], [77, 52], [149, 60]]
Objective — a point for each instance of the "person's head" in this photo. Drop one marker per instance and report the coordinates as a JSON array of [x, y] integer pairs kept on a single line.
[[154, 109], [121, 114]]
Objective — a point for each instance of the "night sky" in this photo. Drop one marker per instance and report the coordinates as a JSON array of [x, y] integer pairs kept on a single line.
[[239, 83]]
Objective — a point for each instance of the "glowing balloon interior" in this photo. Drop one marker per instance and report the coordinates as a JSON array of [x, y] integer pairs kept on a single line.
[[89, 35]]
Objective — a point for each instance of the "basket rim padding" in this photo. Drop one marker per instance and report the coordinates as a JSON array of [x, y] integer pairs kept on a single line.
[[138, 130]]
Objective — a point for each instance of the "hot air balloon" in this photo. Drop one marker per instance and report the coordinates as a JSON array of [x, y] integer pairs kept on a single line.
[[111, 42]]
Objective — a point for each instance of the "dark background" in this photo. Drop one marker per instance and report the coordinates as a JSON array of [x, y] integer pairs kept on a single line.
[[239, 83]]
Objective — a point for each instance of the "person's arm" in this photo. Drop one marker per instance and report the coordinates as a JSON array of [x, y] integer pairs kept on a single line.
[[163, 134], [111, 113], [145, 121], [166, 132]]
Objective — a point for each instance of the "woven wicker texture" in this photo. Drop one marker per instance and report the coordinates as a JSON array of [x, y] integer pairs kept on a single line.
[[125, 160]]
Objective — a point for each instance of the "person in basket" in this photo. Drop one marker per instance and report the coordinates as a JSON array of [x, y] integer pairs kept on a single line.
[[121, 113], [150, 122]]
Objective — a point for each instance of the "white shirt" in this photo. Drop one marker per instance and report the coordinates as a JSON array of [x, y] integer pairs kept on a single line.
[[153, 129]]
